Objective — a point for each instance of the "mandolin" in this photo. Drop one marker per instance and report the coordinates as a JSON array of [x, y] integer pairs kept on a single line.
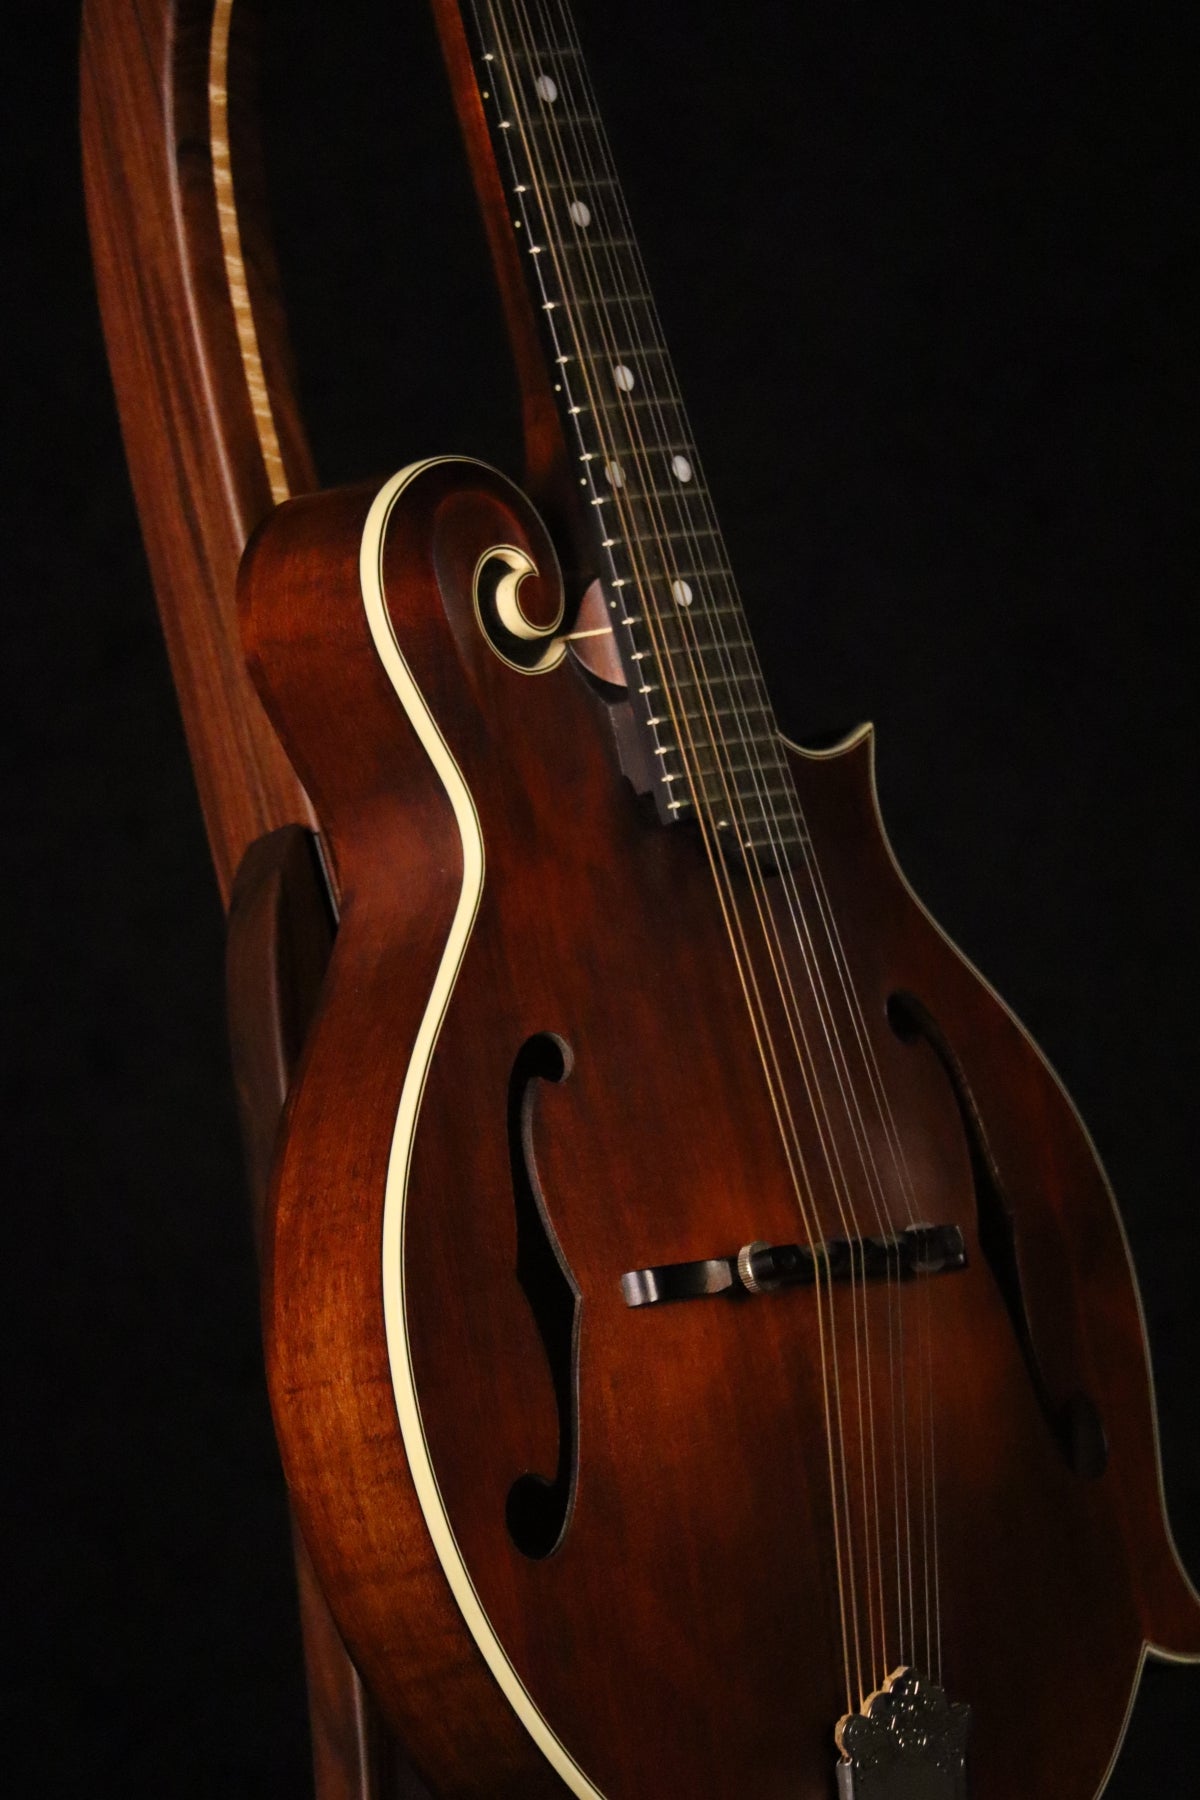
[[703, 1345]]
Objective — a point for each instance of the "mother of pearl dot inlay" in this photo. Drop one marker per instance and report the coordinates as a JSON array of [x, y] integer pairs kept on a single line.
[[682, 593], [681, 468], [624, 378], [580, 213], [615, 473], [547, 89]]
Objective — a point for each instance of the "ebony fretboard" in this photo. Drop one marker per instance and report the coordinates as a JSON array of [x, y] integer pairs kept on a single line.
[[681, 631]]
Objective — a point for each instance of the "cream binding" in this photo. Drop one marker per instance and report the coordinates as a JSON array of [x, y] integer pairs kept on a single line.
[[408, 1408]]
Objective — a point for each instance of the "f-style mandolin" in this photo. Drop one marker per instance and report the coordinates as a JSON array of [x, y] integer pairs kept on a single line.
[[703, 1344]]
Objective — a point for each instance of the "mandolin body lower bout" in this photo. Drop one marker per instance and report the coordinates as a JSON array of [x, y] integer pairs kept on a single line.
[[440, 1334]]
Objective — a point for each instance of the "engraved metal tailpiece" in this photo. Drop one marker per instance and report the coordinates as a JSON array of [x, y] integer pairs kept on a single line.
[[909, 1743]]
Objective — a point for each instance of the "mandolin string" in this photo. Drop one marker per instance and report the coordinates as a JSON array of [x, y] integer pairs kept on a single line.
[[772, 1085], [827, 1014], [925, 1347], [824, 1025], [868, 1172], [727, 903], [547, 62], [826, 1032], [927, 1411], [585, 244], [866, 1049], [879, 1094]]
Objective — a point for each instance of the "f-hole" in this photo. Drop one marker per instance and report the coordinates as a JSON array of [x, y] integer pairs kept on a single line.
[[1075, 1422], [538, 1506]]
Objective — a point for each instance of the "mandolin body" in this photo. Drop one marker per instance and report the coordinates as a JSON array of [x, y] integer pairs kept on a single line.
[[682, 1636]]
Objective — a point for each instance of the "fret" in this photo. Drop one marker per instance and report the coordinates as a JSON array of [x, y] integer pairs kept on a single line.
[[719, 681], [692, 618], [765, 829], [713, 718], [717, 702], [639, 298], [629, 456], [769, 835], [694, 531], [750, 780], [622, 404], [622, 352], [761, 774], [556, 119], [699, 609], [728, 712], [780, 819], [679, 659], [711, 692], [557, 52], [552, 186], [593, 241], [678, 492], [689, 622], [639, 403], [692, 646], [751, 792], [793, 841], [594, 238], [740, 728], [763, 796], [765, 745], [667, 447], [697, 616], [639, 449]]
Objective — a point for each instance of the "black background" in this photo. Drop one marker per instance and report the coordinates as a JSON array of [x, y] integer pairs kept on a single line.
[[926, 272]]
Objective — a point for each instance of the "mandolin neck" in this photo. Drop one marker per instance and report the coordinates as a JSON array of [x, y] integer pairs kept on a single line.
[[653, 538]]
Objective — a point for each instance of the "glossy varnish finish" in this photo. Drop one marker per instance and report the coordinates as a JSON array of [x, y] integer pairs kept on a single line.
[[692, 1602], [191, 438]]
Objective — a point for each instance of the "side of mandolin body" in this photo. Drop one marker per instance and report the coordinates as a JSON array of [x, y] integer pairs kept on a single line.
[[502, 885]]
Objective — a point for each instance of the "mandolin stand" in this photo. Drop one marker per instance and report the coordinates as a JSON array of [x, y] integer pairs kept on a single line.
[[197, 345], [280, 933]]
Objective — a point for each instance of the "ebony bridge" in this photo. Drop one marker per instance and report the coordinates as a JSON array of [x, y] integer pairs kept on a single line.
[[761, 1268]]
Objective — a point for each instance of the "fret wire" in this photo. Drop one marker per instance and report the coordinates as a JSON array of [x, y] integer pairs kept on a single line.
[[700, 744], [605, 243], [553, 124], [564, 187], [622, 299], [700, 608], [640, 403]]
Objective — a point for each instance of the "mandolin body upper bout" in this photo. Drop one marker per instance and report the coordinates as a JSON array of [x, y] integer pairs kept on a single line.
[[580, 1546]]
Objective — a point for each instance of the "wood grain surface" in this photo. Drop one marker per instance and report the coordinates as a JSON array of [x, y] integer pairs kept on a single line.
[[692, 1595], [191, 438]]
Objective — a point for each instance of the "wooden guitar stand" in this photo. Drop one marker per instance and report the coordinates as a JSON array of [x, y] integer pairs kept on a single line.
[[198, 350], [279, 936]]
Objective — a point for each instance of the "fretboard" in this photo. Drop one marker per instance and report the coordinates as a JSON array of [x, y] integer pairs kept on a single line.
[[694, 677]]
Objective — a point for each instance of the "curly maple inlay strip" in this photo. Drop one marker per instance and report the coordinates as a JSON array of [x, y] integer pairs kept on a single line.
[[231, 244]]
